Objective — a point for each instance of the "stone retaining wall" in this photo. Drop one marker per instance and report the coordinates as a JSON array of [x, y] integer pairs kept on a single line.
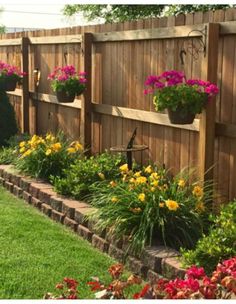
[[153, 260]]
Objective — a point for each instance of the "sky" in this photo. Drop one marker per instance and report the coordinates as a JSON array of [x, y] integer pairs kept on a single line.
[[35, 15]]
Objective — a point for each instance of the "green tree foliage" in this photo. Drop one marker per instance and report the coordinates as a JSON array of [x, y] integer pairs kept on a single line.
[[8, 125], [121, 13]]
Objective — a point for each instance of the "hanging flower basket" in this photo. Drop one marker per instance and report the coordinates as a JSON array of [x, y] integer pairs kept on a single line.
[[8, 84], [179, 117], [181, 97], [65, 97], [67, 83]]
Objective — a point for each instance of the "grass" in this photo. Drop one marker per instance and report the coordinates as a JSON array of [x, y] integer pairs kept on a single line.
[[36, 253]]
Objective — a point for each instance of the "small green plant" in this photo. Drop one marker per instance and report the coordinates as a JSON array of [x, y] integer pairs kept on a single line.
[[149, 206], [219, 244], [42, 157], [8, 124], [79, 178], [66, 79]]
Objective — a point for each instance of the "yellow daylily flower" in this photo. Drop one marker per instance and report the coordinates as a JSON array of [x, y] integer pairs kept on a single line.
[[56, 147], [197, 191], [71, 150], [172, 205], [22, 150], [141, 197], [48, 152], [124, 168], [141, 180], [148, 169], [181, 183], [22, 144]]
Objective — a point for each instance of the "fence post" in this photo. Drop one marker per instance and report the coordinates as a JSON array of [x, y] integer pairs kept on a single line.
[[207, 120], [25, 84], [86, 107]]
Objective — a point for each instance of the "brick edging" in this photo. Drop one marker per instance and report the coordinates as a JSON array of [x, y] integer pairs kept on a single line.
[[154, 261]]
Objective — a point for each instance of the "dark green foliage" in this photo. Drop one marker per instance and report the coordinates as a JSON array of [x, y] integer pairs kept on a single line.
[[219, 244], [121, 13], [80, 177], [8, 125]]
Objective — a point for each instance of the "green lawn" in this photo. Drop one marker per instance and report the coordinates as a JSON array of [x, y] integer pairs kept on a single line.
[[36, 253]]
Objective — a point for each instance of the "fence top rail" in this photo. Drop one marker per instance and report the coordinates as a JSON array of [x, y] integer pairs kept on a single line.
[[10, 42], [153, 33], [227, 28], [56, 39]]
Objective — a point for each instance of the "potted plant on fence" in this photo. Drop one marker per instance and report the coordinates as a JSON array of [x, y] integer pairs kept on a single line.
[[66, 83], [182, 98], [9, 76]]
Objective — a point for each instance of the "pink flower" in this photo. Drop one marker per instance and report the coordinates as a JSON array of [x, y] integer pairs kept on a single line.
[[195, 272]]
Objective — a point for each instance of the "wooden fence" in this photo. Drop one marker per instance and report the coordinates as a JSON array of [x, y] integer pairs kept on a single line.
[[118, 58]]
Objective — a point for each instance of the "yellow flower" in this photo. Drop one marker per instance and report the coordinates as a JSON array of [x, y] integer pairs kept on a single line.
[[165, 187], [154, 175], [22, 150], [148, 169], [197, 191], [71, 150], [153, 189], [22, 144], [132, 180], [137, 174], [124, 168], [200, 206], [27, 153], [101, 175], [56, 147], [141, 180], [161, 205], [155, 183], [141, 197], [113, 184], [48, 152], [114, 199], [172, 205], [77, 145], [181, 183], [136, 210], [50, 137]]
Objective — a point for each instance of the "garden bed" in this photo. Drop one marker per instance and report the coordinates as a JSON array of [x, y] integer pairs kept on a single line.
[[72, 213]]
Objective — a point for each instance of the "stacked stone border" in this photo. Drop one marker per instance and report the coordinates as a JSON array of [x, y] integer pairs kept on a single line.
[[153, 261]]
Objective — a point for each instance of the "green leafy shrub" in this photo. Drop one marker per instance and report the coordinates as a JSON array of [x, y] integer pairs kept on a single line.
[[42, 157], [219, 244], [8, 125], [80, 176], [149, 205]]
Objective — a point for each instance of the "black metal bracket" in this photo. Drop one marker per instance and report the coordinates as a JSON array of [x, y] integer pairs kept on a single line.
[[192, 48]]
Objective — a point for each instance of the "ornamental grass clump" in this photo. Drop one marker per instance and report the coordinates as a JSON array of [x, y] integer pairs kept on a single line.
[[174, 92], [150, 207], [46, 156], [66, 79]]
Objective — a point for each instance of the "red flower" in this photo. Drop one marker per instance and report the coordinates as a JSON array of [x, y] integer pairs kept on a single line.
[[142, 293], [94, 285], [195, 272]]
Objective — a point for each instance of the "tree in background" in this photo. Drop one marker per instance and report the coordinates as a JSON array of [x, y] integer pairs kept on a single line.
[[2, 27], [121, 13]]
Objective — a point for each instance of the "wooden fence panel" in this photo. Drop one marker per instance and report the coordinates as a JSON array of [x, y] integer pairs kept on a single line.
[[119, 69]]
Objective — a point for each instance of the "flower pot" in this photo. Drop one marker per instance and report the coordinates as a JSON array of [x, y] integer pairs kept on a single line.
[[63, 96], [179, 117], [8, 84]]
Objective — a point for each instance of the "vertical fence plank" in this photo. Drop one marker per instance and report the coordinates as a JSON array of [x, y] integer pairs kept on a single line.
[[25, 84], [207, 120], [86, 110]]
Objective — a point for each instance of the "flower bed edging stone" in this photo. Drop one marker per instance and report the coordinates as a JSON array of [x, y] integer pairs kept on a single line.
[[154, 261]]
